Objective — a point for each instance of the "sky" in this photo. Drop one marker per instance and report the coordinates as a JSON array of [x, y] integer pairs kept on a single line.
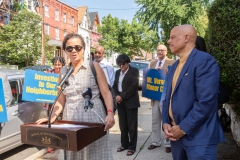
[[122, 9]]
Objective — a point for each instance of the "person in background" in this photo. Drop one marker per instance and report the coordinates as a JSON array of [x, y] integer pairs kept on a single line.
[[72, 103], [7, 93], [200, 44], [126, 87], [189, 116], [162, 63], [58, 63], [7, 89], [107, 67]]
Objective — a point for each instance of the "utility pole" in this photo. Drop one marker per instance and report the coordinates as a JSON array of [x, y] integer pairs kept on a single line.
[[43, 34]]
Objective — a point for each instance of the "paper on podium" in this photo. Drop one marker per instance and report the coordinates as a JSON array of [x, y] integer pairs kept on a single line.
[[68, 126]]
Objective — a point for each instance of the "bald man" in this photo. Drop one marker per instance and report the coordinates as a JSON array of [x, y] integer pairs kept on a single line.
[[162, 63], [189, 116], [107, 67]]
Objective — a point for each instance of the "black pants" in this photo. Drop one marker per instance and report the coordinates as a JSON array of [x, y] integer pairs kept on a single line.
[[128, 123]]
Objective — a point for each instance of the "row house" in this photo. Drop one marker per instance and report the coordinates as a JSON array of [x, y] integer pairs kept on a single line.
[[59, 19], [84, 24], [94, 35]]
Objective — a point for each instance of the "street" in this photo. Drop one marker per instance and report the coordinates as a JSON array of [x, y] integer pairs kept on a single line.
[[20, 152]]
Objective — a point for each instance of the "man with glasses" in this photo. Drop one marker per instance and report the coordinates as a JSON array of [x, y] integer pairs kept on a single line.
[[106, 66], [162, 63]]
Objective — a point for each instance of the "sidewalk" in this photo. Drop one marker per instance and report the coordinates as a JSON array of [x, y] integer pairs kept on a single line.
[[226, 151]]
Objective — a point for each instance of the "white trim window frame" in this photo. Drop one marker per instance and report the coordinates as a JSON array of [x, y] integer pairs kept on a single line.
[[46, 29], [46, 10], [56, 14], [73, 21], [57, 33], [64, 17]]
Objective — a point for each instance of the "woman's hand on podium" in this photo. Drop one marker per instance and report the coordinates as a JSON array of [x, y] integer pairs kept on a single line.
[[109, 121], [42, 120]]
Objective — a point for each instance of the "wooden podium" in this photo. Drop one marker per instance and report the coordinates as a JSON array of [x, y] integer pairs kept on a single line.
[[67, 135]]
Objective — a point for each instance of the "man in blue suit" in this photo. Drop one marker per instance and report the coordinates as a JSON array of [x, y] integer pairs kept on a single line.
[[189, 113]]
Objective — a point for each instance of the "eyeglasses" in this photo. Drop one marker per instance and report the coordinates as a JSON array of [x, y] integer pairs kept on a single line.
[[77, 48], [121, 64], [161, 50]]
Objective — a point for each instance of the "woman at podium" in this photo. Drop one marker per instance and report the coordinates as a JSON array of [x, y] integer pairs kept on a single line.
[[72, 103]]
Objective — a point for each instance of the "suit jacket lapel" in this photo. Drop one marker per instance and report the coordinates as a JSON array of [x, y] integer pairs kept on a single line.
[[185, 67], [166, 64], [154, 64], [127, 74]]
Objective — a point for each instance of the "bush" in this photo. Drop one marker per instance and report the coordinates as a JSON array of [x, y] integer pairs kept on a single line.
[[223, 39]]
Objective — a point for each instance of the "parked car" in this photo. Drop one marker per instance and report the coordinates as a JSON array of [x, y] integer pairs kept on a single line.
[[39, 68], [140, 65], [116, 68], [19, 112]]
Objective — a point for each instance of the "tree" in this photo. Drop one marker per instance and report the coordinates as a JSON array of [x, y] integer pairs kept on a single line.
[[128, 38], [163, 15], [21, 39], [223, 39]]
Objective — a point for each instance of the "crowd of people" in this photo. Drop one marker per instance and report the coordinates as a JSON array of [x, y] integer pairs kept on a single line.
[[187, 115]]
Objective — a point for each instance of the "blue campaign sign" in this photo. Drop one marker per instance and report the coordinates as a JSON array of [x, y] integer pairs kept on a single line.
[[153, 82], [3, 109], [40, 86]]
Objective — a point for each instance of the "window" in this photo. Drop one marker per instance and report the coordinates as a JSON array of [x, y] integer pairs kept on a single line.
[[29, 4], [64, 17], [64, 32], [72, 20], [56, 14], [46, 11], [47, 29], [57, 33], [15, 93]]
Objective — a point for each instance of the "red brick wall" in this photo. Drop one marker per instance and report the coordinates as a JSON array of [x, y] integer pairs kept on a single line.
[[53, 23]]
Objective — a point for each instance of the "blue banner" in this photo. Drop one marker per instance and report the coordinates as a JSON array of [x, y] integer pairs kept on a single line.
[[3, 109], [40, 86], [153, 82]]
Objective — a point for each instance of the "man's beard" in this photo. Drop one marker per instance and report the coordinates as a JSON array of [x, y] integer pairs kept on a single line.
[[98, 59]]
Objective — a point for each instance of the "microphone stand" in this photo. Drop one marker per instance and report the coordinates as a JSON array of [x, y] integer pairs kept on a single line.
[[90, 104], [65, 84]]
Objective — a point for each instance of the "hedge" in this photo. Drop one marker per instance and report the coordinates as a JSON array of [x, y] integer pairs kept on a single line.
[[223, 38]]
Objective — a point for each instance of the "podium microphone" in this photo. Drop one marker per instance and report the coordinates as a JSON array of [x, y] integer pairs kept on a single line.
[[65, 78], [87, 95]]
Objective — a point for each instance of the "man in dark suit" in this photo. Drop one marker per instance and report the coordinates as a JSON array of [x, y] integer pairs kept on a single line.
[[126, 87], [190, 118]]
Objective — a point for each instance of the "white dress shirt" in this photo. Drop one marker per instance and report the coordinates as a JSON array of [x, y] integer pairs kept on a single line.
[[121, 76], [108, 71], [157, 64]]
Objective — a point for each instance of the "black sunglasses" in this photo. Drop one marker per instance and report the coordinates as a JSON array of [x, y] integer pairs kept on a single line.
[[121, 64], [77, 48]]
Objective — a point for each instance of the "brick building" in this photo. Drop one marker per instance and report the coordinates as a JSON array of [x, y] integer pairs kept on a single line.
[[59, 20]]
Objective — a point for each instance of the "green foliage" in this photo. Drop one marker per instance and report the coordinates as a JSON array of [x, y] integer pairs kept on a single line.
[[165, 14], [223, 39], [129, 38], [21, 39], [48, 50]]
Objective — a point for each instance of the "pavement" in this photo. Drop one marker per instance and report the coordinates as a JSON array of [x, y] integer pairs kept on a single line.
[[226, 151]]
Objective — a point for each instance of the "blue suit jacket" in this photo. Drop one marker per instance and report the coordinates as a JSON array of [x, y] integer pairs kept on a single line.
[[194, 100]]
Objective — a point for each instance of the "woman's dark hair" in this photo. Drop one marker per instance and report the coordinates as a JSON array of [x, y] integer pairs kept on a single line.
[[122, 58], [70, 36], [60, 59], [200, 44]]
